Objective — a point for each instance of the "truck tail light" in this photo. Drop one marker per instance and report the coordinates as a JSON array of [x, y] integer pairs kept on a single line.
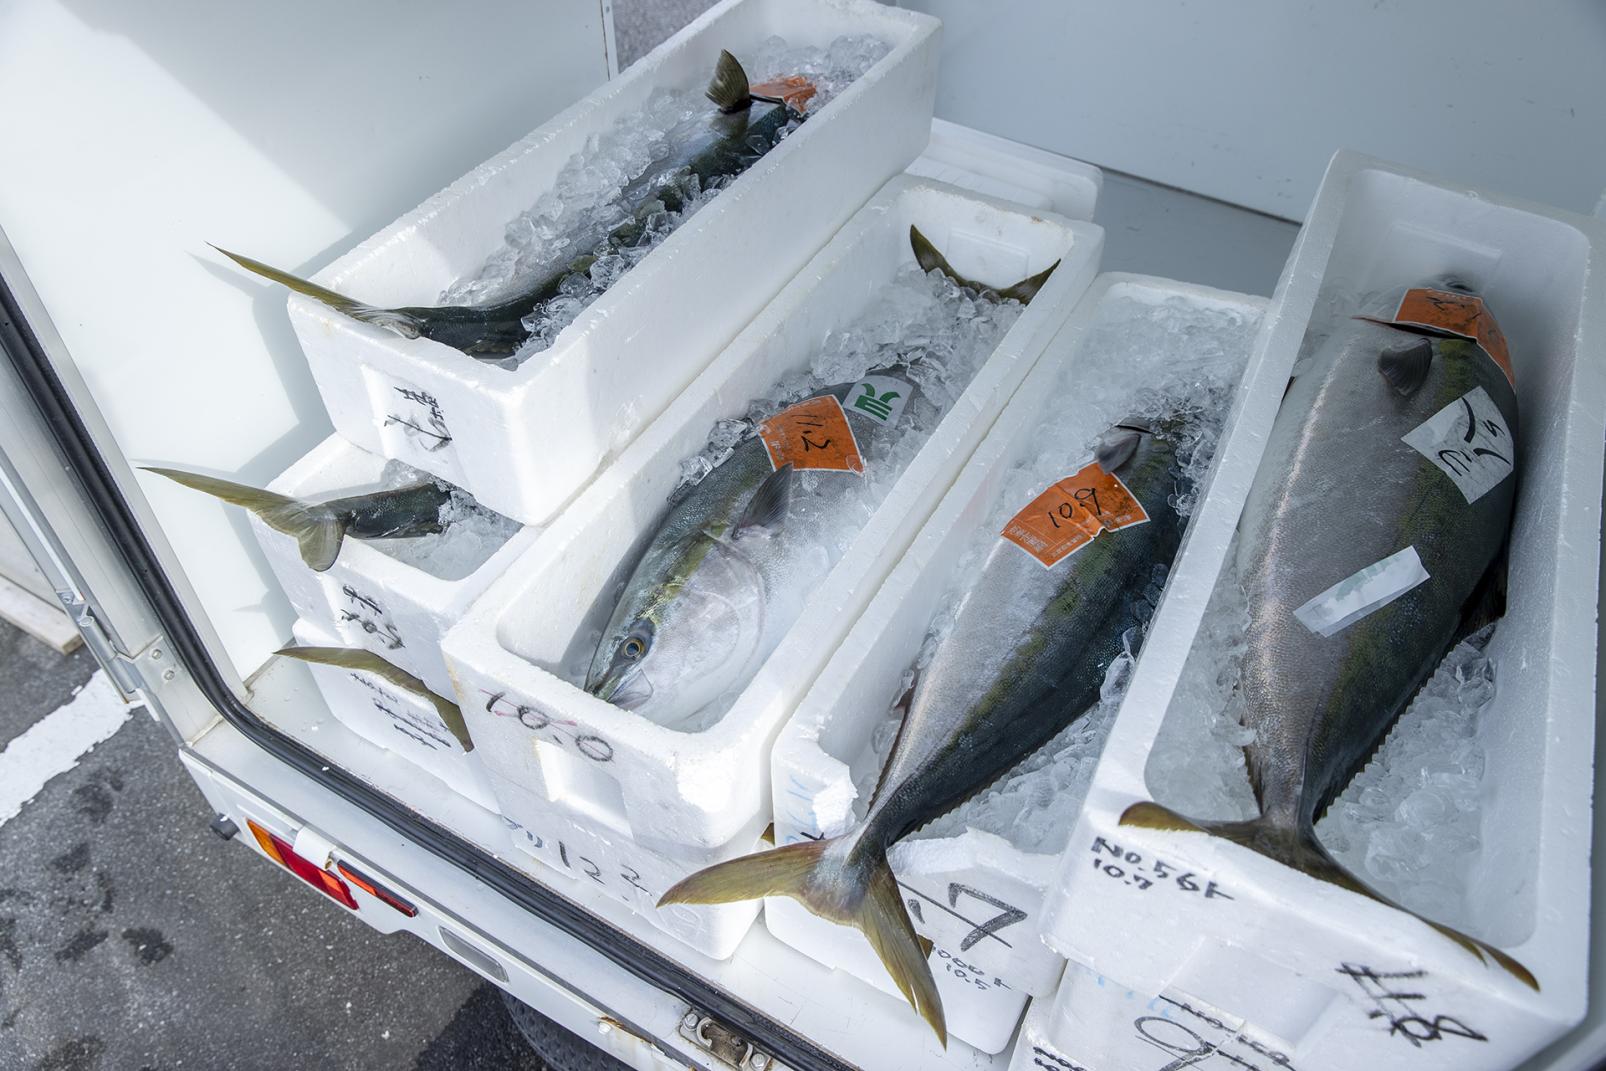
[[375, 889], [279, 850]]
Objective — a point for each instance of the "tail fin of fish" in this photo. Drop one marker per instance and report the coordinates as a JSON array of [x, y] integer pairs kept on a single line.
[[930, 259], [368, 662], [854, 891], [729, 89], [1304, 853], [318, 530], [400, 321]]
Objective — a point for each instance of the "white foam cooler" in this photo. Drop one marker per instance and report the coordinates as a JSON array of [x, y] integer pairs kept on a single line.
[[367, 598], [977, 896], [986, 163], [524, 441], [397, 720], [1300, 966], [701, 797]]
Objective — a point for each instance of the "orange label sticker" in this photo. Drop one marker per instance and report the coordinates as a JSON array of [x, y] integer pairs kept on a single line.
[[794, 90], [812, 434], [1457, 314], [1071, 513]]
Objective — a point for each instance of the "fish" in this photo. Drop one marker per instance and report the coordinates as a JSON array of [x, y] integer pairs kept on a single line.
[[1025, 657], [728, 567], [742, 127], [356, 658], [1343, 487], [320, 528]]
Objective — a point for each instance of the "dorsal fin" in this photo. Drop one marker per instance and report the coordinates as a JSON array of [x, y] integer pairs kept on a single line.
[[728, 89], [767, 507]]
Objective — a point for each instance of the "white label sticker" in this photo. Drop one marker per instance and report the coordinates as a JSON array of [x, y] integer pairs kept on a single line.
[[881, 398], [1361, 593], [1469, 441]]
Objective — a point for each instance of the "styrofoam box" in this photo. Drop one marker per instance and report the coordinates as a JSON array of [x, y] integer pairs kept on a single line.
[[367, 598], [1271, 957], [967, 881], [963, 156], [705, 796], [604, 857], [395, 719], [524, 441], [1094, 1023]]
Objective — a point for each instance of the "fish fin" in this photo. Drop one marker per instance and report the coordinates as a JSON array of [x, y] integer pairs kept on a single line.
[[931, 259], [728, 89], [865, 896], [401, 322], [318, 530], [1406, 369], [1299, 849], [1028, 287], [767, 508], [1117, 447], [368, 662]]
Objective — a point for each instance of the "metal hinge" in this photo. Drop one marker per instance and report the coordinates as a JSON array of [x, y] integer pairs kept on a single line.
[[723, 1043], [118, 666]]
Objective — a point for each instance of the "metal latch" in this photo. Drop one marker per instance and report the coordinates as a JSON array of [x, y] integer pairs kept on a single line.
[[723, 1043]]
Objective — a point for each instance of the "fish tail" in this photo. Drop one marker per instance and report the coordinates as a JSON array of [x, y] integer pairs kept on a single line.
[[931, 259], [1297, 847], [401, 322], [855, 889], [368, 662], [318, 530]]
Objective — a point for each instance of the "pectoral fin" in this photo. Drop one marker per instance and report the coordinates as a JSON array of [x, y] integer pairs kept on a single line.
[[767, 508]]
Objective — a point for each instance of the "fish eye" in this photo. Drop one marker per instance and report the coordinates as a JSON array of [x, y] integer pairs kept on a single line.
[[633, 648]]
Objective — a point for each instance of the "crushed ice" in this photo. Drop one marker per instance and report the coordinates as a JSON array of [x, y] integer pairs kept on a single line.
[[472, 534], [1154, 357], [574, 217]]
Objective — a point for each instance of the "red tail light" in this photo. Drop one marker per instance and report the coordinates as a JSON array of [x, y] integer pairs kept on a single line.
[[375, 889], [279, 850]]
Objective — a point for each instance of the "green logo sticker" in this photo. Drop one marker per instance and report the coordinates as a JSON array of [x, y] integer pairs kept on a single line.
[[881, 398]]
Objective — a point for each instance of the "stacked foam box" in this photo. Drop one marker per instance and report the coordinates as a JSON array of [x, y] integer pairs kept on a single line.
[[369, 599], [966, 885], [523, 441], [1290, 970], [396, 719], [650, 803]]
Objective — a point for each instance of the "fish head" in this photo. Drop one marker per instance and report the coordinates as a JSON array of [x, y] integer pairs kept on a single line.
[[680, 641]]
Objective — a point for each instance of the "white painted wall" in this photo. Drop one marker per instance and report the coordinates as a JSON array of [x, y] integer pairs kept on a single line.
[[1245, 100], [135, 133]]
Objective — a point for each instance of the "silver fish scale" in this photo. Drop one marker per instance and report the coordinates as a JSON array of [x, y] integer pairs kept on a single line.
[[1339, 491], [1026, 655]]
